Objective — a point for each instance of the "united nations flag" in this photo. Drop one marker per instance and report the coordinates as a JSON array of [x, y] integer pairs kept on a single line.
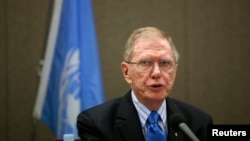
[[71, 79]]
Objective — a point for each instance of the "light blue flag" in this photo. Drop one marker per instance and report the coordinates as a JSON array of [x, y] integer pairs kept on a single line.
[[74, 80]]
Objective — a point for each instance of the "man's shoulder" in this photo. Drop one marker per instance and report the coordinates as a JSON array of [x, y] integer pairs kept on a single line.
[[107, 111], [107, 106], [188, 109]]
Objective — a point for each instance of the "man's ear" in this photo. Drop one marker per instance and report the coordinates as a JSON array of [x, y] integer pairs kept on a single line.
[[175, 69], [125, 72]]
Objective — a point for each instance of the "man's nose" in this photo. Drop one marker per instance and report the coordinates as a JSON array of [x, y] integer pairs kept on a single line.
[[156, 72]]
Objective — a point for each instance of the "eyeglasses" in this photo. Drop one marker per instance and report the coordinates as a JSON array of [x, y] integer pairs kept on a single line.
[[147, 65]]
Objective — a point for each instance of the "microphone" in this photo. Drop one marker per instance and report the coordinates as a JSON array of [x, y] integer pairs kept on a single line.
[[178, 121]]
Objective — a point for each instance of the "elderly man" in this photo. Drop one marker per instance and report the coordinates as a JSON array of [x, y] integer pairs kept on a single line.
[[143, 113]]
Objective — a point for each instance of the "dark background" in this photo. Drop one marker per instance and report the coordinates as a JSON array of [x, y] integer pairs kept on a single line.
[[213, 38]]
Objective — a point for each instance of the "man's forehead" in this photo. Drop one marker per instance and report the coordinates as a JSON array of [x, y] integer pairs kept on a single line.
[[152, 44]]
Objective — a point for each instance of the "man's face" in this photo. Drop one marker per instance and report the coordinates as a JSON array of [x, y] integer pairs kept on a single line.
[[153, 76]]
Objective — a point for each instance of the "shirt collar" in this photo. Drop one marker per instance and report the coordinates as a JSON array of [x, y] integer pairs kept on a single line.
[[144, 112]]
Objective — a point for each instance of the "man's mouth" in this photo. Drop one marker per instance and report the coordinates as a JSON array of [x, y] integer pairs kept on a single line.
[[156, 86]]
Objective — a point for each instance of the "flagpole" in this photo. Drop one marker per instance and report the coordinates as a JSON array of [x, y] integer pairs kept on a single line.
[[50, 46], [53, 18]]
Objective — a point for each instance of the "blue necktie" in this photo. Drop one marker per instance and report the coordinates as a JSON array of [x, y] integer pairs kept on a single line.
[[154, 131]]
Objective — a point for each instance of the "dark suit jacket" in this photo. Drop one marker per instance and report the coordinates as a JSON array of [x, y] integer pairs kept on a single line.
[[117, 120]]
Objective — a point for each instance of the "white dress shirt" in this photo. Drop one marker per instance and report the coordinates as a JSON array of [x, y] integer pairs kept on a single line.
[[143, 113]]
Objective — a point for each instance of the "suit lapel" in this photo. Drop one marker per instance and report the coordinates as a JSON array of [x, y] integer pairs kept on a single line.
[[173, 135], [128, 121]]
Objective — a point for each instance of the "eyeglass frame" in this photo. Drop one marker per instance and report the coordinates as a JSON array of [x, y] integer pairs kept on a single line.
[[139, 64]]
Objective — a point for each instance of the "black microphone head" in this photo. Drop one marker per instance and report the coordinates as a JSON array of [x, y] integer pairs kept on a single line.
[[175, 119]]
